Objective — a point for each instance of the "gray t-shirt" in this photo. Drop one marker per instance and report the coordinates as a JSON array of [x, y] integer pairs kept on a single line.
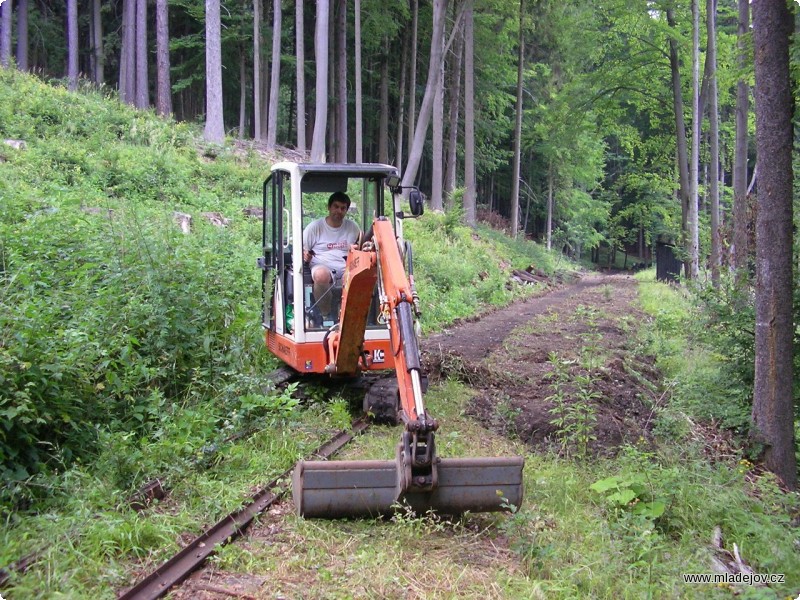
[[330, 244]]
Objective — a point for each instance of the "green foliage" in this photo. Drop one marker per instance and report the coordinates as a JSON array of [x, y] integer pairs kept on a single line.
[[123, 309], [701, 373], [110, 314], [630, 493], [523, 530], [507, 415], [459, 270], [574, 412], [118, 330]]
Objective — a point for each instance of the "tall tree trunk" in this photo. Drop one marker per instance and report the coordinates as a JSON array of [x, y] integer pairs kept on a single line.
[[694, 225], [321, 90], [641, 242], [6, 20], [452, 118], [470, 193], [257, 102], [290, 116], [518, 126], [98, 53], [550, 184], [773, 414], [300, 74], [265, 80], [215, 128], [357, 77], [402, 101], [412, 72], [421, 129], [341, 82], [383, 133], [713, 115], [127, 63], [142, 83], [242, 94], [22, 35], [72, 43], [680, 135], [437, 167], [527, 215], [333, 149], [740, 225], [163, 83], [275, 81]]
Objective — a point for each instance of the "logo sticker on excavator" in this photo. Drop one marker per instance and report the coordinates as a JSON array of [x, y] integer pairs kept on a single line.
[[378, 355], [308, 365]]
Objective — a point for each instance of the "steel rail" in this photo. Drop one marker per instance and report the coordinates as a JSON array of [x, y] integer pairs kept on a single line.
[[180, 566]]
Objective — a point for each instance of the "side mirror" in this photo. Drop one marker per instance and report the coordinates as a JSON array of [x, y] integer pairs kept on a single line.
[[416, 203]]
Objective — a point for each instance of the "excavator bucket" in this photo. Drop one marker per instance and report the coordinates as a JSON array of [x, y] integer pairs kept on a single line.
[[369, 488]]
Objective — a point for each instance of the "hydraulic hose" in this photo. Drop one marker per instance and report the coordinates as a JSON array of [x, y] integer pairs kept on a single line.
[[408, 336]]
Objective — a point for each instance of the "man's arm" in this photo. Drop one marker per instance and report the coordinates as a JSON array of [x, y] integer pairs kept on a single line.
[[308, 242], [356, 232]]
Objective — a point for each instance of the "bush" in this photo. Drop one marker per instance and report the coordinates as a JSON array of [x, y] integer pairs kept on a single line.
[[459, 271], [708, 384], [108, 315]]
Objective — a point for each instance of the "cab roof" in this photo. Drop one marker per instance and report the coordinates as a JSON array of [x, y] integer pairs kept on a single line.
[[350, 169]]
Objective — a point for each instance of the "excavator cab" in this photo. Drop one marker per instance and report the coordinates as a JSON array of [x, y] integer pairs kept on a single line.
[[371, 327], [294, 195]]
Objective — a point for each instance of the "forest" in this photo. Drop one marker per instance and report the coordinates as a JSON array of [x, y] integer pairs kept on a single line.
[[576, 120], [568, 136]]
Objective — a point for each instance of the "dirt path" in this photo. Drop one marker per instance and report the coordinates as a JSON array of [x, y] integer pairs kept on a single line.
[[474, 341], [559, 371]]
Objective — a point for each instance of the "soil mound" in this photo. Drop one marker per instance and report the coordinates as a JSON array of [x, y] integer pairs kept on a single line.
[[561, 371]]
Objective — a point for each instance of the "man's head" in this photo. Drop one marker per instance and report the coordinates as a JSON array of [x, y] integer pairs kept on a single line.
[[338, 204], [339, 197]]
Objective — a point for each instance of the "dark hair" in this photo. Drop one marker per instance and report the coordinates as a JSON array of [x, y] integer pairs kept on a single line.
[[339, 197]]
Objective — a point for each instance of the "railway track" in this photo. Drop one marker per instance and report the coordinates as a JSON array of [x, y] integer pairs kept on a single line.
[[182, 564], [156, 488]]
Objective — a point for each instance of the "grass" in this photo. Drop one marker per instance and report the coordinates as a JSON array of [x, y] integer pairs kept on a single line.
[[699, 370], [566, 541], [93, 541], [454, 288], [129, 350]]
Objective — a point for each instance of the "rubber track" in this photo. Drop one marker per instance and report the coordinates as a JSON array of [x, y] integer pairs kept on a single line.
[[180, 566]]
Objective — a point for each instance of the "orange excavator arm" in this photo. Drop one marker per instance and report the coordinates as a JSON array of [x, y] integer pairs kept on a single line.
[[417, 478], [379, 258]]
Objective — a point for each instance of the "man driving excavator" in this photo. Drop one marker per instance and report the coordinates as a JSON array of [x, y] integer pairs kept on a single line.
[[325, 245]]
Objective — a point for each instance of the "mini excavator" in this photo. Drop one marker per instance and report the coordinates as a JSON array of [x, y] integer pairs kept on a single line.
[[371, 325]]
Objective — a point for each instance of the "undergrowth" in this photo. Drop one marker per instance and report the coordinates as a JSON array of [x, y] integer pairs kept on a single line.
[[460, 270], [708, 385]]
